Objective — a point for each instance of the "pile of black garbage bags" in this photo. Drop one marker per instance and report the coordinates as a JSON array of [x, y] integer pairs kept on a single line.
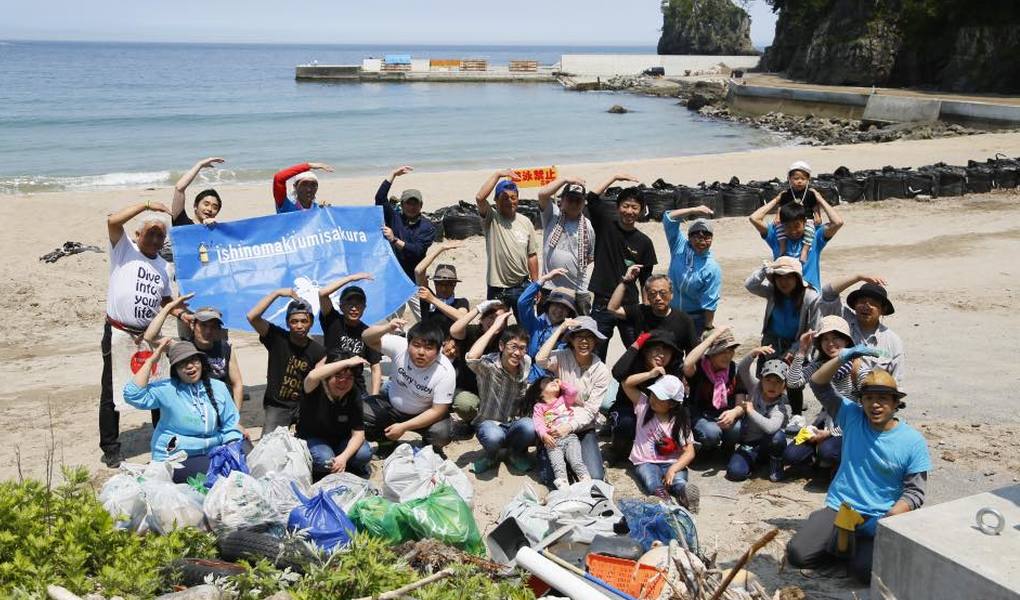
[[737, 199]]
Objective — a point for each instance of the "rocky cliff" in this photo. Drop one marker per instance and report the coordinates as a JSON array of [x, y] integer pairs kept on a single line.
[[955, 45], [716, 27]]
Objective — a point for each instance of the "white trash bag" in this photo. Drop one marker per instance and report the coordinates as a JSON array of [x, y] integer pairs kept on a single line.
[[172, 506], [345, 489], [281, 453], [588, 506], [237, 500], [121, 496], [280, 495], [535, 520], [408, 475]]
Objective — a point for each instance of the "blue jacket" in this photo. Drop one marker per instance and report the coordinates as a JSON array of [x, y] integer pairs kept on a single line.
[[187, 418], [538, 326], [696, 278], [417, 237]]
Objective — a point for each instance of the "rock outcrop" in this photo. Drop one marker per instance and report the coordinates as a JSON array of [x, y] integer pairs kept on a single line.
[[716, 27], [951, 44]]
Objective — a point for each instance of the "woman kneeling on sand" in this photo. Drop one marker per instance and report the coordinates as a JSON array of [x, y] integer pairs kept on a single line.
[[197, 413]]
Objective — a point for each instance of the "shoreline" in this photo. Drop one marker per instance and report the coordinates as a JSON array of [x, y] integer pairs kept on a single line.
[[444, 188]]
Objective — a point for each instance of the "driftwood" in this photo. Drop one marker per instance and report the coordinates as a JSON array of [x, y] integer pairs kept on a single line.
[[755, 547], [401, 591]]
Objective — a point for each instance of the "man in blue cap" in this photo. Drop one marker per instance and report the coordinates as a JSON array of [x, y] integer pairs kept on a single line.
[[510, 242]]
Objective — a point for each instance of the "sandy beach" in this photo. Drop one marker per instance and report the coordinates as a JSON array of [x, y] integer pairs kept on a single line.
[[951, 265]]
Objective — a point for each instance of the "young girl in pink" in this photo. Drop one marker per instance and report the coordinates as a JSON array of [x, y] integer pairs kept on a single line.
[[553, 400]]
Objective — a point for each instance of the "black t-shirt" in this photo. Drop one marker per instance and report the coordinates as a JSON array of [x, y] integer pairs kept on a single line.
[[677, 321], [288, 366], [329, 420], [339, 336], [810, 201], [182, 219], [702, 390], [615, 251], [219, 360], [430, 313]]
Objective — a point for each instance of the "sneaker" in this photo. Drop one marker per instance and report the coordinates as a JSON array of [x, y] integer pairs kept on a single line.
[[796, 423], [561, 484], [691, 498], [521, 464], [482, 465], [112, 459]]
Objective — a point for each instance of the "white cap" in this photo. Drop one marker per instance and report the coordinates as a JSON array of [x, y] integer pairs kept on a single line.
[[306, 176], [668, 387], [799, 166]]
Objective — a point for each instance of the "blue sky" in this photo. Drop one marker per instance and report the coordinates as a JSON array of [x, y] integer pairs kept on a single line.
[[579, 22]]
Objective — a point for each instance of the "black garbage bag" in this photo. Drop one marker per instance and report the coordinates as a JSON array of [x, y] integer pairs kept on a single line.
[[980, 178], [682, 196], [661, 184], [1006, 171], [767, 190], [462, 221], [921, 183], [828, 188], [739, 200], [657, 201], [710, 197], [851, 186], [888, 183], [952, 180]]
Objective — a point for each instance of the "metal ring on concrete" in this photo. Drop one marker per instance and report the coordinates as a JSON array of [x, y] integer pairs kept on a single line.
[[1000, 521]]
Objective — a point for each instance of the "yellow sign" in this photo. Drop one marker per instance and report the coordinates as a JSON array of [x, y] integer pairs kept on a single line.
[[536, 177]]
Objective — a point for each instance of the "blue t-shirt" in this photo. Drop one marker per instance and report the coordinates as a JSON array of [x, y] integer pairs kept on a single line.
[[784, 322], [812, 268], [874, 463]]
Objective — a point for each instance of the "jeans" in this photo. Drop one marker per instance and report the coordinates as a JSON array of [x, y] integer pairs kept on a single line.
[[809, 547], [590, 454], [109, 418], [380, 414], [279, 416], [749, 454], [323, 454], [828, 452], [650, 475], [516, 437], [508, 296], [607, 321], [708, 433]]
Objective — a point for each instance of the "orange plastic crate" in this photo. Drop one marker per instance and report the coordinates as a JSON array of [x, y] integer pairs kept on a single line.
[[630, 577]]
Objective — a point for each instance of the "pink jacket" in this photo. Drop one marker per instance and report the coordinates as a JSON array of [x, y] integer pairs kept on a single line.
[[555, 412]]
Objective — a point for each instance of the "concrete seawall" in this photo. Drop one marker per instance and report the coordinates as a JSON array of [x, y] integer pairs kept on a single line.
[[879, 107]]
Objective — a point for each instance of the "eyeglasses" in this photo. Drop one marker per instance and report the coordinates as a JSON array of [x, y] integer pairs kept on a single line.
[[516, 348], [659, 293]]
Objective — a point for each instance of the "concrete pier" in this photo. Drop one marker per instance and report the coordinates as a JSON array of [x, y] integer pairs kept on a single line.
[[356, 74], [938, 552]]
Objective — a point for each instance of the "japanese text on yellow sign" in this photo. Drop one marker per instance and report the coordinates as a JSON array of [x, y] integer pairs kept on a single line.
[[535, 177]]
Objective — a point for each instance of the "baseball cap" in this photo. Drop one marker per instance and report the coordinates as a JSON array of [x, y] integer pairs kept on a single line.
[[573, 189], [775, 367], [353, 290], [699, 225], [505, 186], [799, 166], [668, 387], [411, 194], [445, 273], [179, 351], [208, 313], [299, 306]]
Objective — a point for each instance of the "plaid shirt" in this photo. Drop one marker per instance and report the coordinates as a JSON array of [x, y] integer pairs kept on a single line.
[[501, 393]]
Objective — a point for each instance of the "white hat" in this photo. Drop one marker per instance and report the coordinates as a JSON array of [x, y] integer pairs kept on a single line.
[[799, 166], [306, 176], [668, 387]]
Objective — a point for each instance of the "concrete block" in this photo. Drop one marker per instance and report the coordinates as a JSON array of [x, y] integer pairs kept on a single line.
[[901, 109], [938, 553]]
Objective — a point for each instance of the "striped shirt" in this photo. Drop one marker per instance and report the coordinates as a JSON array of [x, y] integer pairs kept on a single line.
[[501, 392]]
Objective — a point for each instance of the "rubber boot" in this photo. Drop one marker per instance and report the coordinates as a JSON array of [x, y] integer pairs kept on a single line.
[[775, 468]]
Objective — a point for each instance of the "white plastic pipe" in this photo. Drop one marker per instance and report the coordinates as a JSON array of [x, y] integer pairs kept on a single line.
[[558, 577]]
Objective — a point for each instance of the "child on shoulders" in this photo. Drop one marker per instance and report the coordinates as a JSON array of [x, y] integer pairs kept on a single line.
[[800, 192]]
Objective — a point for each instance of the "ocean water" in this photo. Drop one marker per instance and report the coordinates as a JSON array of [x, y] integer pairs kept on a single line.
[[86, 115]]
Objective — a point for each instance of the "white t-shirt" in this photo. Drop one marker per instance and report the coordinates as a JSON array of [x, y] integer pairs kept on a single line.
[[137, 286], [412, 391]]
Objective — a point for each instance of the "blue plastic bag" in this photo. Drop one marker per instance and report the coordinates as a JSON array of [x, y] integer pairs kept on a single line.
[[327, 524], [651, 521], [224, 459]]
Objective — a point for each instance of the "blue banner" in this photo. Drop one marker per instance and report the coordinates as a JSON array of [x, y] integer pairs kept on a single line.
[[232, 265]]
